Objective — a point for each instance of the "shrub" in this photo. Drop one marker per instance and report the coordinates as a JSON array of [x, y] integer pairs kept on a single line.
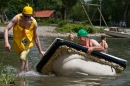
[[75, 27], [91, 29], [62, 23], [7, 76]]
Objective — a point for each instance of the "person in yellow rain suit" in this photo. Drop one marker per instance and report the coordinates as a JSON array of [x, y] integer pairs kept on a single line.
[[24, 35]]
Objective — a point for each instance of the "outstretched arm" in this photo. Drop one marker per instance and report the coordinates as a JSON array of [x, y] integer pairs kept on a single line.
[[95, 46]]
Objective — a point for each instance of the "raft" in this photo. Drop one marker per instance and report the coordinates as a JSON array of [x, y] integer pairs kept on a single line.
[[61, 47]]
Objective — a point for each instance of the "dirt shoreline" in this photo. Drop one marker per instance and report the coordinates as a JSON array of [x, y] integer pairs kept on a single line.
[[48, 31]]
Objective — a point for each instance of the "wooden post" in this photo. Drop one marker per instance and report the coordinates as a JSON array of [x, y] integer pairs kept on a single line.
[[96, 5], [102, 17], [86, 13]]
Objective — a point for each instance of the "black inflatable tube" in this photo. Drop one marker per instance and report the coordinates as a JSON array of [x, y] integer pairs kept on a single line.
[[60, 42]]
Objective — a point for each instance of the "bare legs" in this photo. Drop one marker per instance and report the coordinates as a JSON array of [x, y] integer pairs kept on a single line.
[[24, 66], [27, 67]]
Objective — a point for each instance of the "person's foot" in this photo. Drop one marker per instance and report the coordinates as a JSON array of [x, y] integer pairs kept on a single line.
[[28, 68]]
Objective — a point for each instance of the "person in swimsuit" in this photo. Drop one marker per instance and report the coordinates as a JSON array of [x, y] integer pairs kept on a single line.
[[103, 43], [24, 36], [91, 44]]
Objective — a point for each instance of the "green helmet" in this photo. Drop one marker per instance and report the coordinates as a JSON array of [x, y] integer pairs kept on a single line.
[[82, 32]]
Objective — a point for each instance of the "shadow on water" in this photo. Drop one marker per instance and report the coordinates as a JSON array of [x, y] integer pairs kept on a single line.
[[119, 47]]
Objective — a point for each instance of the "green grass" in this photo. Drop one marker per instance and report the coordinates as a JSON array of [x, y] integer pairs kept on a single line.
[[2, 24], [7, 75]]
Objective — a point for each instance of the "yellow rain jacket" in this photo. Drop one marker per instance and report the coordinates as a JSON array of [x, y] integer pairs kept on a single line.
[[23, 39]]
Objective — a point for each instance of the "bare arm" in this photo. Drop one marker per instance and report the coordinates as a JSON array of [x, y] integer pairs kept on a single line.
[[7, 28], [104, 44], [37, 41], [94, 46]]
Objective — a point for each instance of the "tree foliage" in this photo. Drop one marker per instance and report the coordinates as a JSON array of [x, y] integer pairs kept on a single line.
[[115, 10], [112, 10]]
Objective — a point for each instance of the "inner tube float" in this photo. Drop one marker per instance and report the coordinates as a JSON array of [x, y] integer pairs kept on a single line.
[[67, 58]]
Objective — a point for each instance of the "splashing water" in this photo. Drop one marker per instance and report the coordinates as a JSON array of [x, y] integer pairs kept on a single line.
[[29, 73]]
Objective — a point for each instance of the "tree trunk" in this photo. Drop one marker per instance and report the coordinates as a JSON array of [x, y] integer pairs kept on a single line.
[[1, 16], [126, 9], [63, 13]]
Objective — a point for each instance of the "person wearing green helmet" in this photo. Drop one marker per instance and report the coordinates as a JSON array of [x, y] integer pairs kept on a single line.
[[24, 35], [91, 44], [82, 32]]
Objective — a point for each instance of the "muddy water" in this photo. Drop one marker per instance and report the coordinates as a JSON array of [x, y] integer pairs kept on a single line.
[[117, 46]]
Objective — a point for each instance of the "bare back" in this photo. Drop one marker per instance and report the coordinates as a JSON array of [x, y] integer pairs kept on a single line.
[[94, 43]]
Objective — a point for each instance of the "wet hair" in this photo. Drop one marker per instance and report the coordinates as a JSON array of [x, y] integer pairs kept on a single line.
[[103, 36]]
